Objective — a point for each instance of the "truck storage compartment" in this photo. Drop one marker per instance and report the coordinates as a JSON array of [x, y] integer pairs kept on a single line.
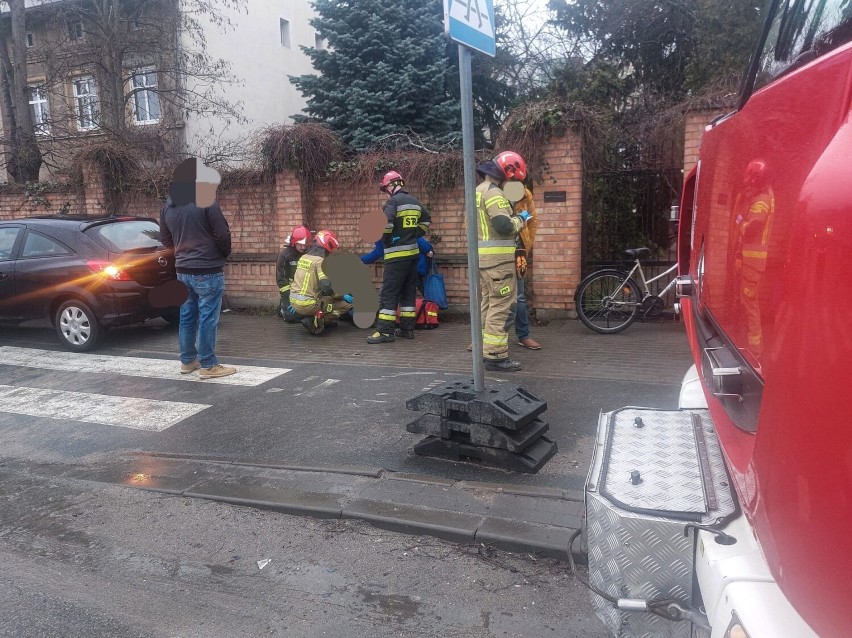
[[654, 473]]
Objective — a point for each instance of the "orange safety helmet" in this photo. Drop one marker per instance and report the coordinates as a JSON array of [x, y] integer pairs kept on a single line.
[[327, 240], [391, 178], [756, 174], [512, 165], [301, 235]]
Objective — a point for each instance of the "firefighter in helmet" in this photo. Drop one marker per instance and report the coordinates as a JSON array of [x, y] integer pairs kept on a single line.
[[407, 220], [285, 268], [311, 294], [754, 209], [498, 229]]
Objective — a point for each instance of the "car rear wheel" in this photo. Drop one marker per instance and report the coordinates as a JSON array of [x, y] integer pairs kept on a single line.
[[77, 326]]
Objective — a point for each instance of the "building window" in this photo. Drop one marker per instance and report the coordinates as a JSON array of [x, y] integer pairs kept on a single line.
[[30, 41], [39, 110], [285, 33], [86, 103], [75, 30], [320, 43], [146, 101]]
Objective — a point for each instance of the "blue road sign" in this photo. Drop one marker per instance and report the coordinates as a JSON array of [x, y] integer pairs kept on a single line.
[[471, 23]]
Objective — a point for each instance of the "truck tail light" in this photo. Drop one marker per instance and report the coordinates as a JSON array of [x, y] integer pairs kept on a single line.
[[108, 270]]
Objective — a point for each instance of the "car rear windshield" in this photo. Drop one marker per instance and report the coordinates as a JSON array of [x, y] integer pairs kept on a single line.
[[124, 236]]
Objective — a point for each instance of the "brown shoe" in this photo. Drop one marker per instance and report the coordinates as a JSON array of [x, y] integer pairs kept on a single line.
[[186, 368], [470, 348], [529, 343], [216, 371]]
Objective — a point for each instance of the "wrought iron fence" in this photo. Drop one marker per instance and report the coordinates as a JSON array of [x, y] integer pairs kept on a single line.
[[628, 209]]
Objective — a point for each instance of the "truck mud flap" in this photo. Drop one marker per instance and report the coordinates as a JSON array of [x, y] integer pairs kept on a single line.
[[654, 473]]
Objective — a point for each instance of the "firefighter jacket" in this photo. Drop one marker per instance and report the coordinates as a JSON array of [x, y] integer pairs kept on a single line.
[[285, 267], [497, 227], [754, 230], [309, 282], [527, 233], [407, 220]]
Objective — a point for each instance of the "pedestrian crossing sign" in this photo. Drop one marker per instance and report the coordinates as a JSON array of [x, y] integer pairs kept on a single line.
[[471, 23]]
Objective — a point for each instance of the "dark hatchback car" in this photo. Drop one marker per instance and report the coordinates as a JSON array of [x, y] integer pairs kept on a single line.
[[84, 274]]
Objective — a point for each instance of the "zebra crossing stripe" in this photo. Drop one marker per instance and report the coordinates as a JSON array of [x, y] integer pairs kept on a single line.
[[130, 366], [139, 414]]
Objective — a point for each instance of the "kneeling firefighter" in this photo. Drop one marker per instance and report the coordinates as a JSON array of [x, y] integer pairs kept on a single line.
[[285, 269], [311, 294]]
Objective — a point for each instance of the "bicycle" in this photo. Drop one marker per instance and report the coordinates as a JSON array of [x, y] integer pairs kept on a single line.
[[609, 300]]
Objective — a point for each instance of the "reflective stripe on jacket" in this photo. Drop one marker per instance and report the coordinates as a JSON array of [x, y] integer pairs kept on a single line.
[[495, 247], [309, 278], [407, 220]]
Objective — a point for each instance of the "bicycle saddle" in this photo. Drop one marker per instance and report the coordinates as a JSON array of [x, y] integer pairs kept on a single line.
[[636, 253]]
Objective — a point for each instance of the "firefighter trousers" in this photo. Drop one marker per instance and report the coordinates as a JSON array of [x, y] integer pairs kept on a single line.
[[289, 317], [399, 288], [499, 289], [332, 308]]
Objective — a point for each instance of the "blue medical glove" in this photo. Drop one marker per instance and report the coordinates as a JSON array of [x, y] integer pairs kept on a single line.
[[291, 309], [347, 298], [524, 215]]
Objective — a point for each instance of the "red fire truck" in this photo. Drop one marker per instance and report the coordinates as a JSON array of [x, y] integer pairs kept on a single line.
[[732, 516]]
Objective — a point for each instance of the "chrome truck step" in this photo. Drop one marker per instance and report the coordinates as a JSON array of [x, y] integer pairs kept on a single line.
[[655, 474]]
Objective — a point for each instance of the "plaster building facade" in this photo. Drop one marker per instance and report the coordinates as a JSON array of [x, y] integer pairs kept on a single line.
[[263, 49], [90, 76]]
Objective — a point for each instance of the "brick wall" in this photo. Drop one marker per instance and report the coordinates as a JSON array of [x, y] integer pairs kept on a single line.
[[262, 215]]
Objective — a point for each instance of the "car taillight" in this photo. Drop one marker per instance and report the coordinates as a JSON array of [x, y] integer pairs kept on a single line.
[[108, 270]]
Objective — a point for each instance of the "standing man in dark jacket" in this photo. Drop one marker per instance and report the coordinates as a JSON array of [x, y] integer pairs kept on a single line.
[[192, 224], [407, 221]]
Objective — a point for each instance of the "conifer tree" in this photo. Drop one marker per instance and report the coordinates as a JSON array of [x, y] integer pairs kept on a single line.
[[384, 71]]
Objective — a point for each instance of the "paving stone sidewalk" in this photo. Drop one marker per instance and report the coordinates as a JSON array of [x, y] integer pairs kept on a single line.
[[656, 351]]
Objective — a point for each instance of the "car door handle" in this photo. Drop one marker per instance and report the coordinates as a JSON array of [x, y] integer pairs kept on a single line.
[[3, 275]]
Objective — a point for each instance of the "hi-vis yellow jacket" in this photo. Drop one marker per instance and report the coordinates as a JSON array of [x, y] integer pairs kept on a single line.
[[309, 282], [497, 227]]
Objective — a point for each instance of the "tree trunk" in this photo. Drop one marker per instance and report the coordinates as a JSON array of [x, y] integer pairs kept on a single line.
[[24, 156]]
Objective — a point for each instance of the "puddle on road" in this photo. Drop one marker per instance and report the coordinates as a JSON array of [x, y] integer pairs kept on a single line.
[[400, 607]]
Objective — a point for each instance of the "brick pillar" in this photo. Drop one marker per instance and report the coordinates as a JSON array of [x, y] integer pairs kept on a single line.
[[94, 190], [693, 128], [556, 262], [289, 211]]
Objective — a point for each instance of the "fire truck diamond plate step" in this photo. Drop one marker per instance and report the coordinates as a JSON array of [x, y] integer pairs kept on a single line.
[[652, 462]]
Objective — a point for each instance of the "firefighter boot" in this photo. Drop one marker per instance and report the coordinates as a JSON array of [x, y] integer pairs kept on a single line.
[[380, 337], [502, 365], [405, 334], [315, 324]]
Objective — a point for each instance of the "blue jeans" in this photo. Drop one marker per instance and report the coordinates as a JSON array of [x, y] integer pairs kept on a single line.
[[199, 317], [522, 318]]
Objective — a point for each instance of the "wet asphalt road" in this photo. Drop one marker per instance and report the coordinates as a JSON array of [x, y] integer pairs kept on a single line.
[[84, 559]]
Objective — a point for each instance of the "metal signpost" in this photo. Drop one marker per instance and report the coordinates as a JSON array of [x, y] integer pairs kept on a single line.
[[500, 428], [471, 24]]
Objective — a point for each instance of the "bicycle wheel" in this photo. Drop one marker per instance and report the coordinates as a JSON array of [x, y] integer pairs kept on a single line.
[[607, 301]]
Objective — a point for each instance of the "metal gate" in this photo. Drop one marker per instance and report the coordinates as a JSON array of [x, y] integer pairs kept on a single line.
[[628, 209]]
